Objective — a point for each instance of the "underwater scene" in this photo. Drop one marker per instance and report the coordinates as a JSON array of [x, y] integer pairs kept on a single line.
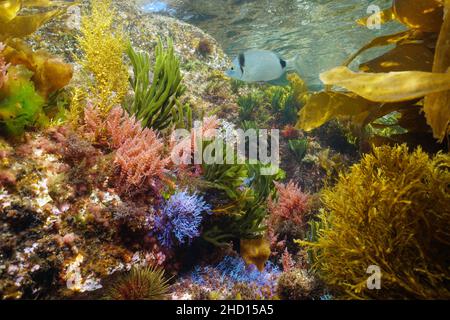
[[224, 150]]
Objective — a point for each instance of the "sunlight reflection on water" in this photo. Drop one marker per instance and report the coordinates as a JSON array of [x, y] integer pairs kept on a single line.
[[322, 32]]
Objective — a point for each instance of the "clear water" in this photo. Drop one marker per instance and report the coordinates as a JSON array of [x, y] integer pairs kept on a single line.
[[322, 32]]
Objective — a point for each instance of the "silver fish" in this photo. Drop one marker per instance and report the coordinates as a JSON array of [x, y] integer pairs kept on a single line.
[[261, 66]]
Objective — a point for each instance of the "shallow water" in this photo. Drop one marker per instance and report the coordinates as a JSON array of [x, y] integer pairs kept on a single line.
[[322, 32], [101, 198]]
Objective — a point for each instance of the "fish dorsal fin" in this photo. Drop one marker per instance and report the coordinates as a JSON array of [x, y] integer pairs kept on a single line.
[[283, 63]]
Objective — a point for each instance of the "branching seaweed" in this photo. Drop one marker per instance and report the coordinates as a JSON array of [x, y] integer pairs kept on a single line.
[[103, 46], [391, 211]]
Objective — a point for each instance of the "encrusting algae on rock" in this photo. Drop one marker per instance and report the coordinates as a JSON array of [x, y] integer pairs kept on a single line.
[[3, 66]]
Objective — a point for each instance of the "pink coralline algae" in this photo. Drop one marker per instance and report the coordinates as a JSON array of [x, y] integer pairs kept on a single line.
[[140, 162], [210, 126], [94, 124], [292, 204], [139, 159], [121, 127], [287, 261], [111, 131], [139, 156]]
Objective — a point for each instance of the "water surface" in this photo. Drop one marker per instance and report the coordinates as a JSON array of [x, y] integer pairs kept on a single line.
[[322, 32]]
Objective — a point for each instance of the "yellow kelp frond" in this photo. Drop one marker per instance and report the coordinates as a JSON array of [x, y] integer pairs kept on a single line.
[[388, 87], [408, 56], [398, 38], [410, 71], [414, 75], [104, 46], [437, 105], [9, 10], [50, 73], [390, 212], [323, 106], [424, 15], [351, 109], [16, 25], [255, 251], [42, 3]]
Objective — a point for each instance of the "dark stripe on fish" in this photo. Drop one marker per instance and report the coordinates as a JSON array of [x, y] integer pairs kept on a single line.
[[283, 63], [242, 61]]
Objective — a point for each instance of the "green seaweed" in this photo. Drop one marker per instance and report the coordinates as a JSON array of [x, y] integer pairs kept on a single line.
[[285, 102], [154, 103], [298, 148], [21, 106], [182, 116], [263, 185], [243, 221], [243, 210], [224, 177], [248, 104]]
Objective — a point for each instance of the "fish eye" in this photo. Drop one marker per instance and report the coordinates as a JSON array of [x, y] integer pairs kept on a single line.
[[232, 68]]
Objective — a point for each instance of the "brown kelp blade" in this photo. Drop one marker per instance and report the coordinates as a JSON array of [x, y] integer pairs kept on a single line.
[[396, 81], [404, 57], [388, 87], [409, 35], [437, 105], [9, 10], [420, 16], [424, 15], [325, 106], [23, 26], [13, 25], [42, 3], [49, 72]]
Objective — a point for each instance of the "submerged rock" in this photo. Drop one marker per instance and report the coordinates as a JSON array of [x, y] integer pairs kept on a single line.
[[207, 88]]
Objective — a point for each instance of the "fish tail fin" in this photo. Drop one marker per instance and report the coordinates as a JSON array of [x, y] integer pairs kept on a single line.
[[295, 65]]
